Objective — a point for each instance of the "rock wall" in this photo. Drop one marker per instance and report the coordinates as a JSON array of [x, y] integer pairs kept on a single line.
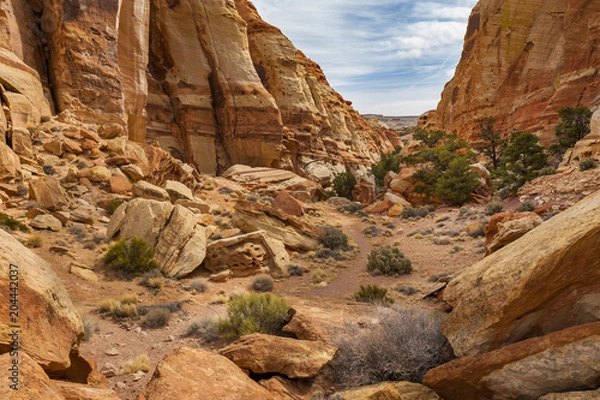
[[522, 62], [206, 79]]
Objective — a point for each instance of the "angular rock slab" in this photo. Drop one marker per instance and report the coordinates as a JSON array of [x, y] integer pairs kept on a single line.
[[293, 358], [49, 324], [190, 374], [48, 192], [562, 361], [547, 280], [141, 218], [390, 391], [248, 254], [32, 382]]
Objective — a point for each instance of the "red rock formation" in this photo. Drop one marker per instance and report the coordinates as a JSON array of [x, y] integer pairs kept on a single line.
[[521, 63], [209, 80]]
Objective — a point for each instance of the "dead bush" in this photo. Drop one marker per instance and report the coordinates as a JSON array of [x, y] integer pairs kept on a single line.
[[402, 346]]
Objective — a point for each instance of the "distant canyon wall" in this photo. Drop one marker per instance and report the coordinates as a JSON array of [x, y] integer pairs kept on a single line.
[[208, 80], [522, 62]]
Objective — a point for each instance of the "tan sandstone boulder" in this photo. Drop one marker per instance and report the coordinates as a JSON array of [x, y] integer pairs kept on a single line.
[[48, 192], [547, 280], [190, 374], [77, 391], [293, 358], [505, 228], [31, 380], [10, 166], [562, 361], [580, 395], [46, 336]]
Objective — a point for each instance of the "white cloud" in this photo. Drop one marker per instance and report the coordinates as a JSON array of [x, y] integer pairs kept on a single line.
[[373, 52]]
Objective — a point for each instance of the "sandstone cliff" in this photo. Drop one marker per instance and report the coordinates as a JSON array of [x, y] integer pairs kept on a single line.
[[521, 63], [209, 80]]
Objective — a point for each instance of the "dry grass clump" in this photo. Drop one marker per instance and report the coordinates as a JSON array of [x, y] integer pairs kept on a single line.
[[126, 307], [402, 346], [200, 285], [156, 318], [140, 363], [204, 327], [34, 240], [262, 283], [91, 326], [373, 294]]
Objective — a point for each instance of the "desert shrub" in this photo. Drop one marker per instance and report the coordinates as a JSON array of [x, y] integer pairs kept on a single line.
[[389, 261], [478, 232], [326, 253], [34, 241], [388, 162], [417, 212], [254, 313], [455, 185], [203, 327], [140, 363], [262, 283], [91, 326], [130, 257], [153, 280], [343, 184], [351, 208], [112, 205], [430, 138], [123, 308], [406, 290], [372, 231], [200, 285], [333, 238], [494, 207], [156, 318], [12, 224], [526, 206], [402, 346], [173, 306], [373, 294], [574, 126], [586, 164], [295, 270]]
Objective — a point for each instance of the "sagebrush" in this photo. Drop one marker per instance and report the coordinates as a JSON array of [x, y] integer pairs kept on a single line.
[[373, 294], [388, 260], [130, 258], [402, 346]]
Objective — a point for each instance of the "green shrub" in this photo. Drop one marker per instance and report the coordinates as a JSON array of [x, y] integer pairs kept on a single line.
[[373, 294], [388, 162], [457, 182], [130, 258], [262, 283], [494, 207], [343, 184], [254, 313], [402, 346], [333, 238], [586, 164], [295, 270], [12, 224], [389, 261], [112, 205], [526, 206], [417, 212], [574, 126]]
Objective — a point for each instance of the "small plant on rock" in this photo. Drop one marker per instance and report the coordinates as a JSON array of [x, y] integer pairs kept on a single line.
[[588, 163], [254, 313], [112, 205], [343, 184], [130, 258], [373, 294], [388, 260], [12, 224]]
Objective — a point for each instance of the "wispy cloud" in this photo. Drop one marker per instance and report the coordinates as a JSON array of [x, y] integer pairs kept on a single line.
[[391, 56]]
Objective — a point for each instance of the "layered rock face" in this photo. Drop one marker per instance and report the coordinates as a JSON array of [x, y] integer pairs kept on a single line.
[[521, 63], [208, 80]]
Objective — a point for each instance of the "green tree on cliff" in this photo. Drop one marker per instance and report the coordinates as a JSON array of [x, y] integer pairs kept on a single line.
[[574, 125]]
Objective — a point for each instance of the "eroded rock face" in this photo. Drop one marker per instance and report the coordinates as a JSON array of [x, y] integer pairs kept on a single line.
[[47, 337], [207, 79], [505, 228], [390, 391], [545, 281], [560, 362], [522, 63], [32, 381], [201, 374]]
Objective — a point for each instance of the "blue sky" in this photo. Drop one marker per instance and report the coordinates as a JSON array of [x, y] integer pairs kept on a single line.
[[389, 57]]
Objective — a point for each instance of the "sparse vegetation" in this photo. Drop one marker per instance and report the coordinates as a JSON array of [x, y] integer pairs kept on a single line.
[[574, 125], [12, 224], [494, 207], [112, 205], [200, 285], [153, 280], [373, 294], [125, 307], [34, 240], [254, 313], [333, 238], [417, 212], [588, 163], [388, 162], [388, 260], [140, 363], [262, 283], [295, 270], [402, 346], [91, 326], [156, 318], [203, 327], [526, 206], [130, 258], [492, 144], [343, 184]]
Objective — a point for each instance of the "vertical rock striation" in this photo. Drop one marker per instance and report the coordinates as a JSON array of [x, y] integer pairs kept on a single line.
[[522, 62]]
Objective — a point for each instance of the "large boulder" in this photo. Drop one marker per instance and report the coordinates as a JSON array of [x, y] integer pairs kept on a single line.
[[562, 361], [48, 192], [49, 326], [505, 228], [547, 280], [189, 374], [10, 166], [248, 254], [265, 354], [390, 391], [25, 380], [179, 242]]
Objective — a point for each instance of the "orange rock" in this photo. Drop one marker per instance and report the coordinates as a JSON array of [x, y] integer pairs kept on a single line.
[[119, 184], [288, 204]]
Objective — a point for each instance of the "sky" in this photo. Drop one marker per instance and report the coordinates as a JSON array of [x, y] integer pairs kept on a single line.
[[388, 57]]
